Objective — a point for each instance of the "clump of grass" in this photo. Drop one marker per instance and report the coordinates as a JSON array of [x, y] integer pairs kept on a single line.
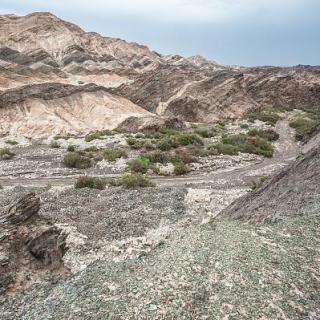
[[140, 164], [93, 136], [54, 144], [77, 160], [12, 142], [303, 124], [233, 144], [62, 136], [113, 154], [71, 148], [224, 148], [135, 143], [269, 116], [90, 182], [180, 168], [132, 180], [91, 149], [244, 126], [206, 133], [268, 134], [6, 154]]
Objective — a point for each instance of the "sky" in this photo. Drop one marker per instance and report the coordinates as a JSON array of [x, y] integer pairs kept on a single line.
[[231, 32]]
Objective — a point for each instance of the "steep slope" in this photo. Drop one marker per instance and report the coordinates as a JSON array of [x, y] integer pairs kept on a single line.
[[45, 38], [44, 109], [291, 193], [225, 92], [40, 48]]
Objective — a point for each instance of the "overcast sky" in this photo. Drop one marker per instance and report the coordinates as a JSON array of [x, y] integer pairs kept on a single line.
[[243, 32]]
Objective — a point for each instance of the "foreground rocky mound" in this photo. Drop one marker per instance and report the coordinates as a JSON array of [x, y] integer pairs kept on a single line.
[[291, 193], [31, 249], [201, 272]]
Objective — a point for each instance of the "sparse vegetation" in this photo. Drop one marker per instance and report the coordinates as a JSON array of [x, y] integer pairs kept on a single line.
[[207, 132], [93, 136], [71, 148], [113, 154], [62, 136], [180, 168], [304, 123], [54, 144], [268, 134], [6, 154], [91, 182], [77, 160], [12, 142], [133, 180], [91, 149], [233, 144], [140, 164], [270, 116]]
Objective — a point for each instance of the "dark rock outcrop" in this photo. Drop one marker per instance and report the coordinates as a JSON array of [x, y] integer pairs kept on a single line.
[[31, 249], [291, 193]]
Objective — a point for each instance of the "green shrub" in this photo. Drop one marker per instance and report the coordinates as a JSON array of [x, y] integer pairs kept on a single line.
[[90, 182], [224, 148], [133, 180], [244, 126], [185, 139], [71, 148], [62, 136], [135, 143], [76, 160], [268, 134], [140, 164], [93, 136], [91, 149], [113, 154], [233, 144], [270, 116], [158, 157], [6, 154], [12, 142], [206, 133], [54, 144], [180, 168], [303, 125]]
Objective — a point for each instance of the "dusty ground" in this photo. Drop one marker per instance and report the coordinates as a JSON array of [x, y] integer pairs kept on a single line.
[[155, 253]]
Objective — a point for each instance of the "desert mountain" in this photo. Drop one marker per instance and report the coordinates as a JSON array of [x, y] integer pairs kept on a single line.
[[42, 53]]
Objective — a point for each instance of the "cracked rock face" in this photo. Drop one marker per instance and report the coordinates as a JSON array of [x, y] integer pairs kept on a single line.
[[31, 250]]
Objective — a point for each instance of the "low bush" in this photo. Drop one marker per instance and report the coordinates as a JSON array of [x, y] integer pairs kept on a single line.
[[62, 136], [268, 134], [268, 116], [244, 126], [91, 182], [303, 125], [224, 148], [133, 180], [54, 144], [233, 144], [12, 142], [6, 154], [77, 160], [93, 136], [206, 133], [140, 164], [135, 143], [91, 149], [113, 154], [71, 148], [180, 168]]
